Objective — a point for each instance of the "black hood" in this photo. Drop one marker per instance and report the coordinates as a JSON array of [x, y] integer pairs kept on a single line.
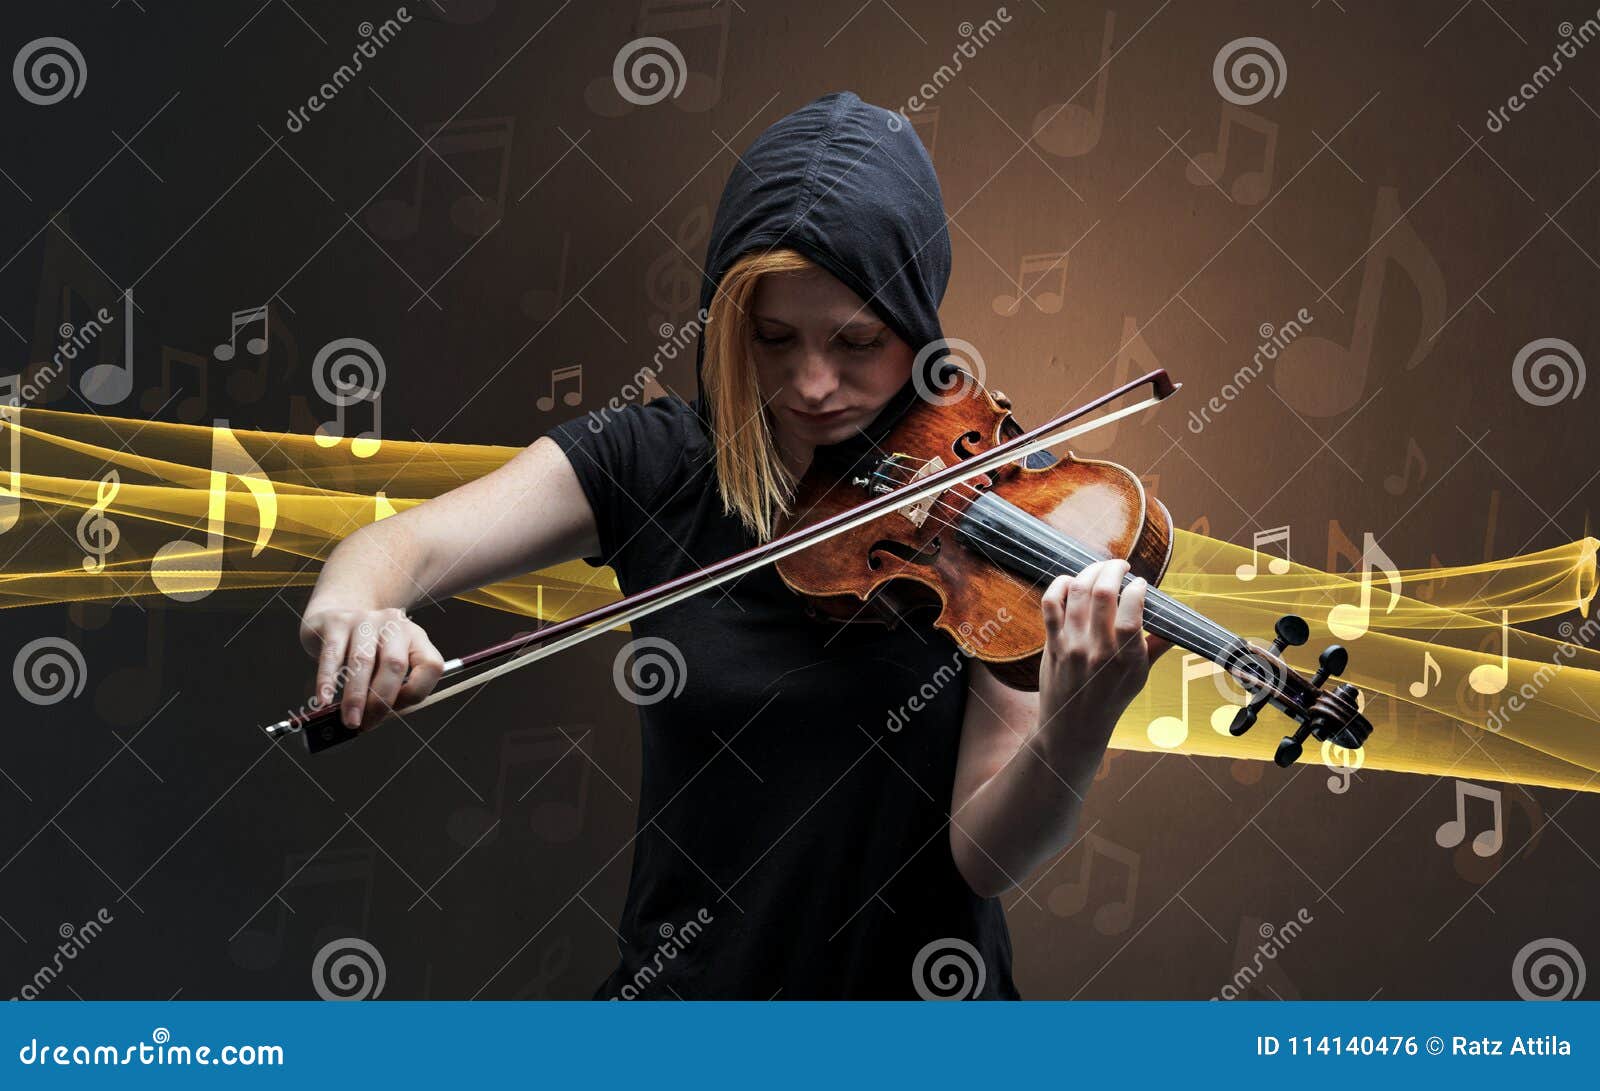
[[850, 186]]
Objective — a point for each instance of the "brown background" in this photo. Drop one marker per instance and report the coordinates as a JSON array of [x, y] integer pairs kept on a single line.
[[216, 207]]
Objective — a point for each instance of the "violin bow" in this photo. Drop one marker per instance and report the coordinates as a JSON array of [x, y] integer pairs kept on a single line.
[[321, 728]]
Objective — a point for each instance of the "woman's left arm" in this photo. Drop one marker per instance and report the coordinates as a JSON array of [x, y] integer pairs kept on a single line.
[[1027, 759]]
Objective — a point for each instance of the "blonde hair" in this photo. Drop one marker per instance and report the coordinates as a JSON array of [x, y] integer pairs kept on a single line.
[[753, 481]]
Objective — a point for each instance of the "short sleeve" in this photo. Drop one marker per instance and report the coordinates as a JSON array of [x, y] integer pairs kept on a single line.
[[626, 460]]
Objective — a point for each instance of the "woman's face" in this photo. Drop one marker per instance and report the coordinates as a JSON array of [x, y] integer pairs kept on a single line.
[[826, 363]]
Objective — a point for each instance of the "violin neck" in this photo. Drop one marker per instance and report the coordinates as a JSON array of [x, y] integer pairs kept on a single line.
[[1033, 549]]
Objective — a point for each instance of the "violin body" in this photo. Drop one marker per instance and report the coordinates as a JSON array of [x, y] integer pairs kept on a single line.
[[911, 561]]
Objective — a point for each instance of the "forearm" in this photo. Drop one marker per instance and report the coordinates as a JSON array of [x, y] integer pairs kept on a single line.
[[380, 566], [1028, 811]]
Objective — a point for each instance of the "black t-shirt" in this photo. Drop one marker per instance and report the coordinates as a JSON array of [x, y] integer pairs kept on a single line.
[[793, 836]]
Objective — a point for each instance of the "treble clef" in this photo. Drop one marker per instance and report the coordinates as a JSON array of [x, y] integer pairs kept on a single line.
[[97, 534]]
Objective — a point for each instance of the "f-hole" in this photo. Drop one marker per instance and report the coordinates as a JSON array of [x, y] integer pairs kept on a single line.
[[924, 555]]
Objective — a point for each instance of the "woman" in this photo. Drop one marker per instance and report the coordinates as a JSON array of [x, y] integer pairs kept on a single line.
[[826, 810]]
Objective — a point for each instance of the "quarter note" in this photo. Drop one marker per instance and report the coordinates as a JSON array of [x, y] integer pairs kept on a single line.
[[542, 303], [1429, 664], [186, 570], [1037, 266], [1490, 678], [1169, 732], [1486, 843], [1395, 484], [1347, 621], [1067, 129], [1278, 566], [108, 384], [256, 346], [572, 377]]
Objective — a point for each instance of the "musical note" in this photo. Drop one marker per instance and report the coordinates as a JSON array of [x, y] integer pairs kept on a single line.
[[108, 384], [1348, 622], [672, 282], [1249, 187], [1067, 129], [328, 876], [192, 407], [1168, 732], [542, 303], [1429, 663], [1490, 678], [1348, 763], [1322, 378], [1395, 484], [1134, 357], [1278, 566], [1451, 833], [256, 346], [96, 534], [185, 570], [396, 218], [674, 20], [558, 814], [363, 444], [1201, 525], [1113, 916], [1036, 266], [10, 424], [572, 375]]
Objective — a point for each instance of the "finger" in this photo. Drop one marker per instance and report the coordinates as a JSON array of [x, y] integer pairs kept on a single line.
[[1129, 622], [358, 664], [1155, 647], [427, 667], [1104, 601], [1054, 604], [1076, 627], [329, 658], [394, 659]]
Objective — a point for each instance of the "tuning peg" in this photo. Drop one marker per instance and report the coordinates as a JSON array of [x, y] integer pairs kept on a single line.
[[1333, 660], [1291, 632]]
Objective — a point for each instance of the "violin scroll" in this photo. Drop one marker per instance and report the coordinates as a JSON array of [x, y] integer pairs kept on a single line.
[[1329, 716]]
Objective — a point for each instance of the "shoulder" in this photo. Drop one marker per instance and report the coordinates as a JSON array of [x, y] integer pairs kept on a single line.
[[637, 450]]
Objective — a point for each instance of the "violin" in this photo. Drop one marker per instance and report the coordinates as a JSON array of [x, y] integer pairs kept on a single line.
[[960, 511]]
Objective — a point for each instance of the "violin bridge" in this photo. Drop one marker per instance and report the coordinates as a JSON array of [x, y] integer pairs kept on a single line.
[[918, 513]]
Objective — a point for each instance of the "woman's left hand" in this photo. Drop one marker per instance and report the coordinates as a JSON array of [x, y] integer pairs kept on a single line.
[[1097, 655]]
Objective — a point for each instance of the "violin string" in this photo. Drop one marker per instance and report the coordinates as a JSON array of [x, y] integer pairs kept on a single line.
[[1215, 642]]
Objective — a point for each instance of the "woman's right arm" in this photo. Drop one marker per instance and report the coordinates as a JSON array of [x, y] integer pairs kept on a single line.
[[524, 515]]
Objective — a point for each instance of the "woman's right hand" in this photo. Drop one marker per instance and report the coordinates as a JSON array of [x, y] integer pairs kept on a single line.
[[372, 660]]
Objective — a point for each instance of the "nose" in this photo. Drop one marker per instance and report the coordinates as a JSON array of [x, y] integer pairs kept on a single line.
[[814, 379]]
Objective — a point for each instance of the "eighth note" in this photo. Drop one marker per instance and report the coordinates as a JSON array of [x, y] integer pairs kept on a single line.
[[1454, 831], [1278, 566], [256, 346], [559, 376], [1429, 663], [1346, 621]]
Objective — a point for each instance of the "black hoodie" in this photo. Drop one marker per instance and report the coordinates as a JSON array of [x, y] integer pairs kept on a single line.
[[793, 830]]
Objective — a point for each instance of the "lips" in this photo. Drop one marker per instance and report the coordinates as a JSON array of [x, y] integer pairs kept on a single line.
[[819, 418]]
